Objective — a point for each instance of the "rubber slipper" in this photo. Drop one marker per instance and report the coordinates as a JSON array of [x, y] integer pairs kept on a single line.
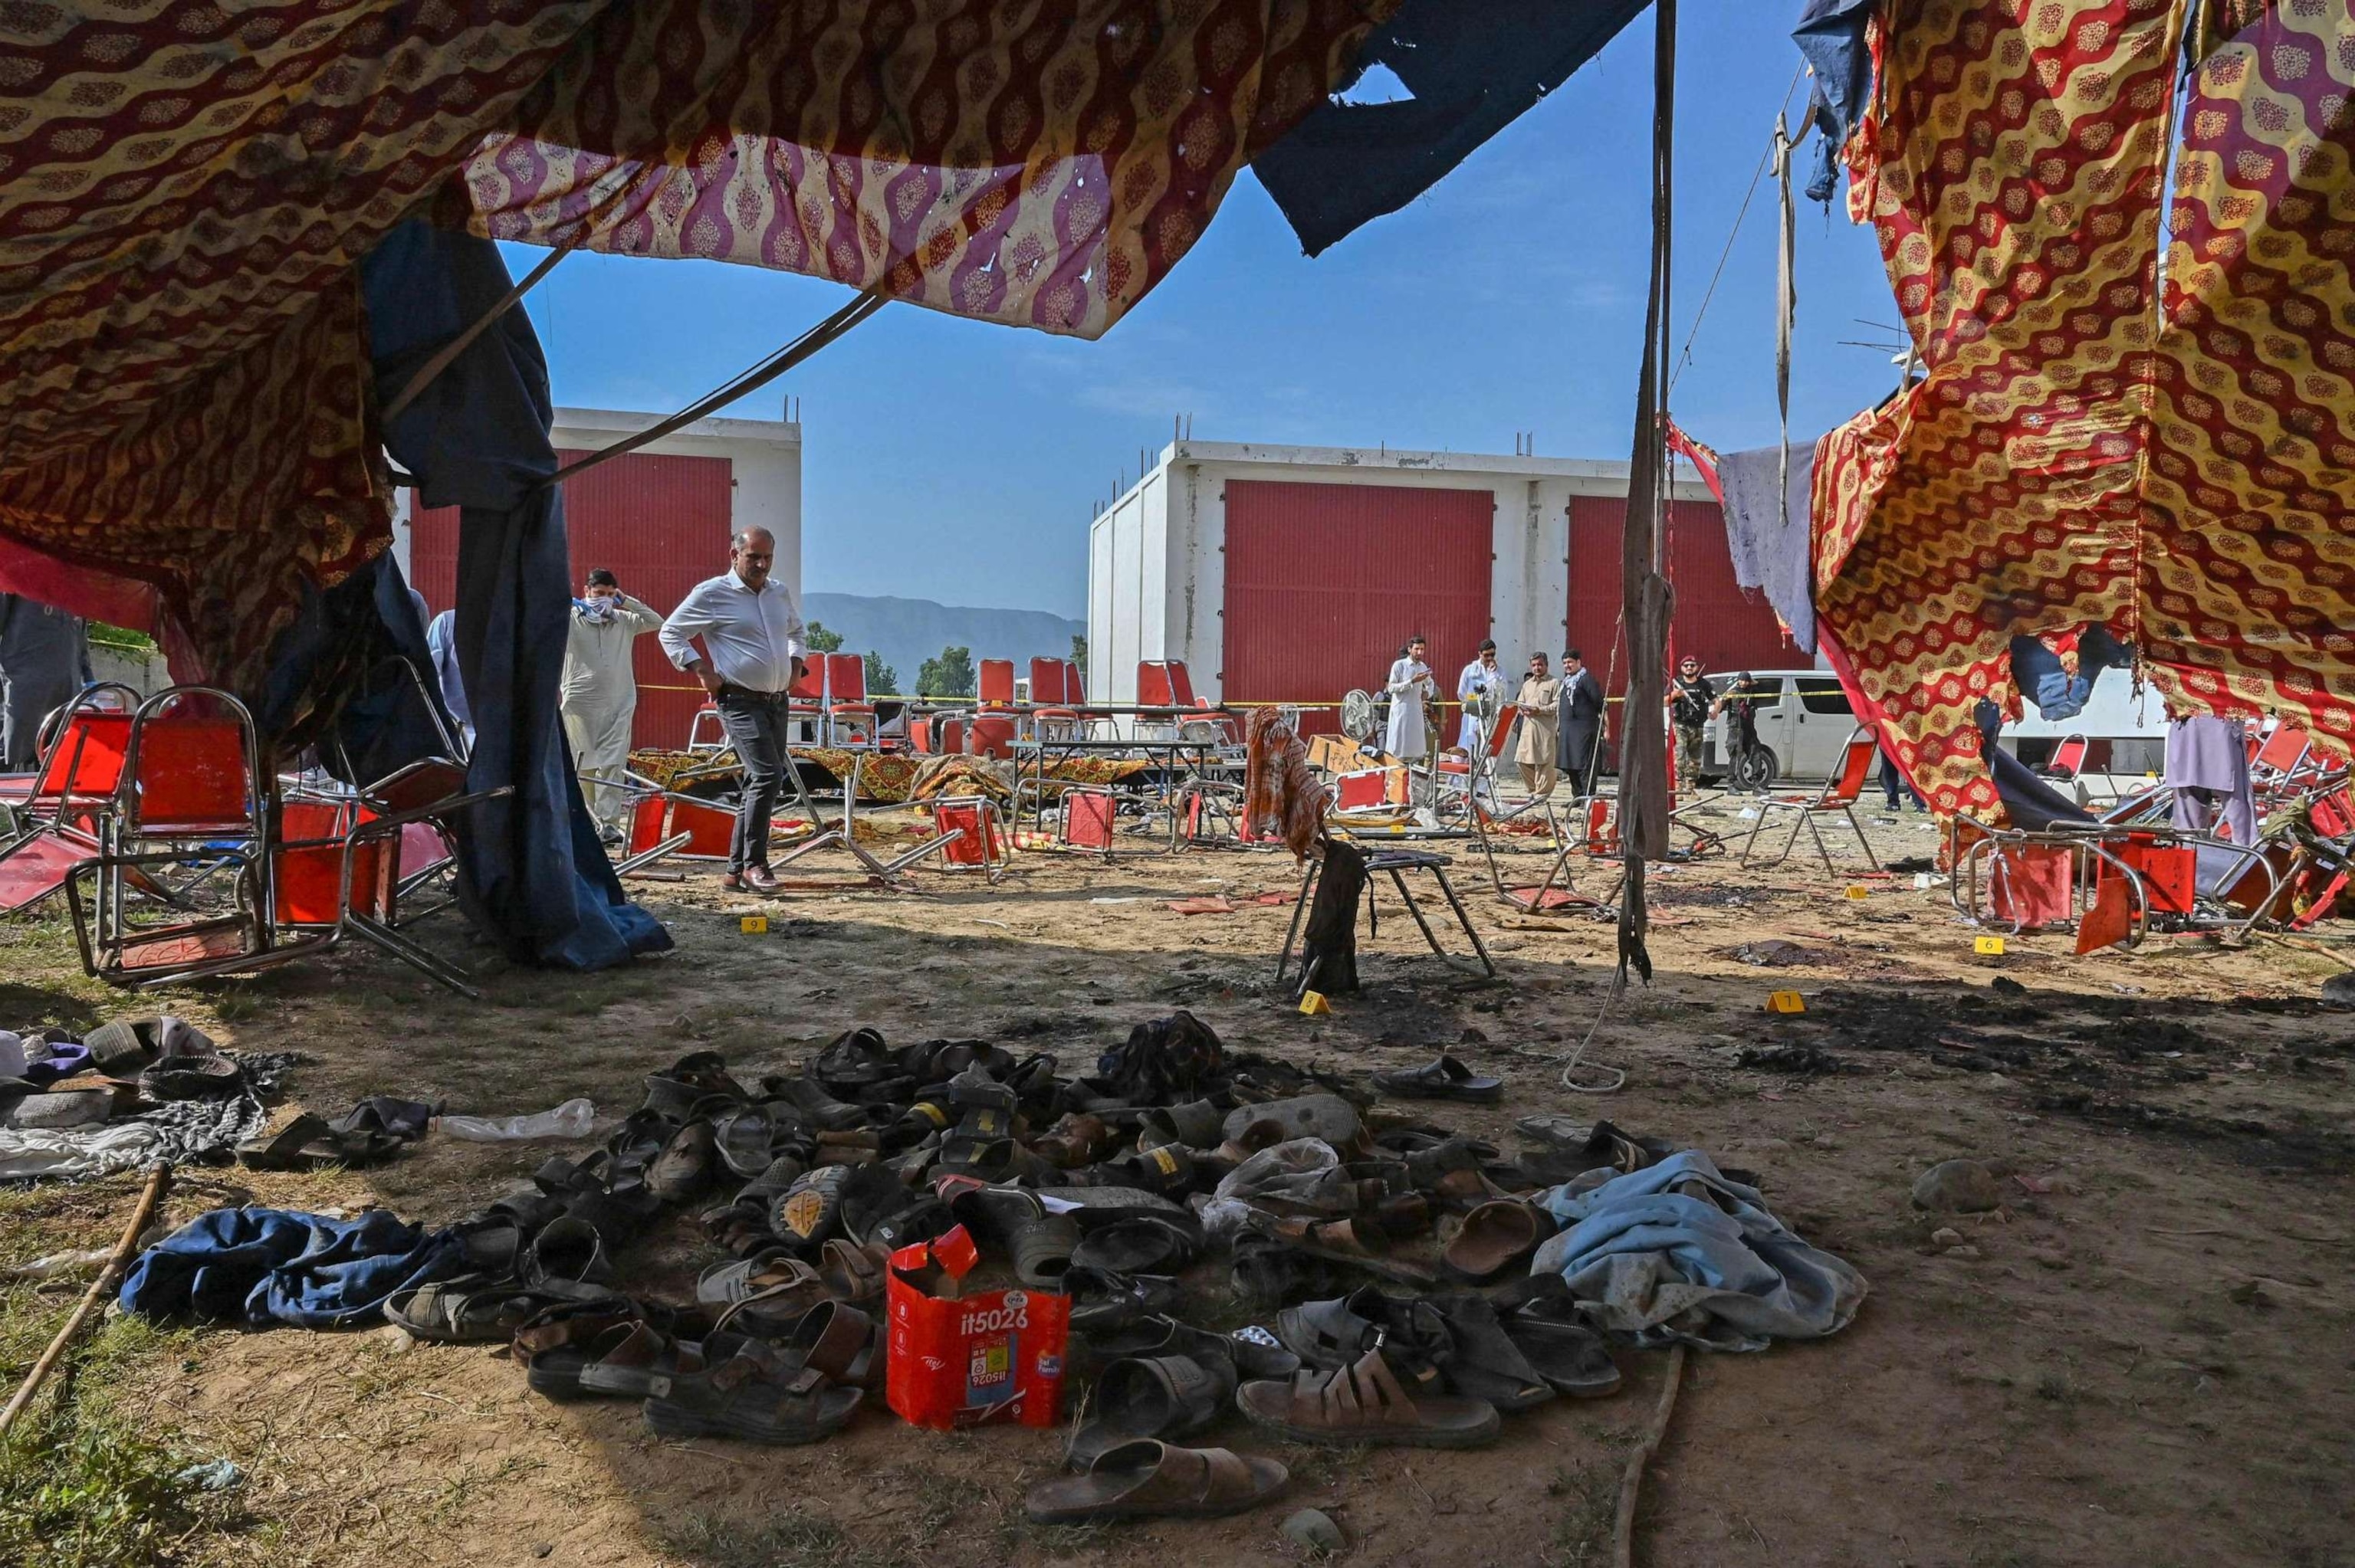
[[1162, 1170], [1325, 1334], [1152, 1396], [1105, 1302], [1268, 1274], [750, 1138], [1495, 1236], [921, 1220], [1013, 1221], [853, 1059], [1147, 1478], [674, 1091], [810, 1211], [308, 1143], [1076, 1140], [733, 1283], [197, 1079], [687, 1164], [812, 1099], [1444, 1079], [1568, 1354], [1368, 1403], [1199, 1125], [1482, 1361], [1165, 1336], [568, 1258], [759, 1397], [1144, 1245], [1327, 1117]]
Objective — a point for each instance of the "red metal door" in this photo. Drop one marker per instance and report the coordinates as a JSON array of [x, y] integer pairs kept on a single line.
[[660, 522], [1716, 622], [1325, 582]]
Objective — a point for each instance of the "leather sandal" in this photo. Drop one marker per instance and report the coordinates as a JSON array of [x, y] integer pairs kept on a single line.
[[1494, 1238], [1443, 1079], [1367, 1403], [755, 1394], [1147, 1478], [1152, 1396]]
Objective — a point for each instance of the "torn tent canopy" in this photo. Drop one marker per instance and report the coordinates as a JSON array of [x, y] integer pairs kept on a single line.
[[2086, 447]]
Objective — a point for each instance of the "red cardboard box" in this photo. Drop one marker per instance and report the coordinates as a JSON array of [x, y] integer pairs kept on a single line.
[[955, 1358]]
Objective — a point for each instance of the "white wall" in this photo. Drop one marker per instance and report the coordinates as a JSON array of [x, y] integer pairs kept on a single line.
[[1161, 591], [765, 458]]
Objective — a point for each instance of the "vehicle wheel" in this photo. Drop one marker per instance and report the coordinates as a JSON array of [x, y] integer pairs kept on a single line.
[[1755, 770]]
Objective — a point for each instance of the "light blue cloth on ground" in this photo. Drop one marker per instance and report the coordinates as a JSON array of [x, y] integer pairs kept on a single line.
[[1715, 1270]]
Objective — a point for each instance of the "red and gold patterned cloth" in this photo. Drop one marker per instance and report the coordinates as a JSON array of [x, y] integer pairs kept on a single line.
[[2087, 447], [184, 187]]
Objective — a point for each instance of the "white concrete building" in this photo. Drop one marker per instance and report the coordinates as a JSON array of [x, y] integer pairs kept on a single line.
[[1292, 574]]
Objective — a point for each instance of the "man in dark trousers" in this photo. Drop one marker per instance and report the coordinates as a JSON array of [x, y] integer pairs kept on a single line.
[[1581, 723], [43, 660], [1692, 697]]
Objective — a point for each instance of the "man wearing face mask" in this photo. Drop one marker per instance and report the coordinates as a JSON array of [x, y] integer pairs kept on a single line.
[[599, 693]]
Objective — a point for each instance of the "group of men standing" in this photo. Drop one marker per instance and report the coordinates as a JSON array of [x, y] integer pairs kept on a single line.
[[1560, 715]]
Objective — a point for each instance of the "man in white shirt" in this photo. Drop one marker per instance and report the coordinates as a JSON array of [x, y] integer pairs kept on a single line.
[[1410, 685], [599, 693], [1473, 688], [753, 651]]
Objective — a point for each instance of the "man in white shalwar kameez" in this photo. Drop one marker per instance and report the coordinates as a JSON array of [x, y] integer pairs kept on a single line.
[[1480, 678], [599, 693], [1410, 684]]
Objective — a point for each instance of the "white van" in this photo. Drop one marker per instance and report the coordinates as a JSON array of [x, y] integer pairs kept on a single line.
[[1805, 718]]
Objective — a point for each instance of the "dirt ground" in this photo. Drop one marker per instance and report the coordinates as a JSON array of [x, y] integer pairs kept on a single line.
[[2148, 1358]]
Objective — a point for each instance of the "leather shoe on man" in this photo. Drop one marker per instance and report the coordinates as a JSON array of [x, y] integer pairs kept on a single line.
[[760, 879]]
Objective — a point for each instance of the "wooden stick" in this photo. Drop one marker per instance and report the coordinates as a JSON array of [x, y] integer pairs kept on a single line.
[[124, 1252], [1623, 1535]]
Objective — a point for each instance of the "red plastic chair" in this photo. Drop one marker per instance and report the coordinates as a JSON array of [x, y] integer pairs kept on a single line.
[[991, 735], [974, 834], [994, 683], [1054, 715], [2068, 758], [849, 717], [805, 702], [1839, 796], [1088, 819]]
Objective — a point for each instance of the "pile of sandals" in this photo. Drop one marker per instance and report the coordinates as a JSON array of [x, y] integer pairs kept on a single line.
[[1389, 1255]]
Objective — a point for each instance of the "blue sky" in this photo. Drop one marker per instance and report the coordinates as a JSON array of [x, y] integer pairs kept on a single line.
[[957, 460]]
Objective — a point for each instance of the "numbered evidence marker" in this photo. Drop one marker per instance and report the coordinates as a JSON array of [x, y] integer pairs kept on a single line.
[[1988, 947], [1785, 1001], [1315, 1006], [1858, 890], [753, 924]]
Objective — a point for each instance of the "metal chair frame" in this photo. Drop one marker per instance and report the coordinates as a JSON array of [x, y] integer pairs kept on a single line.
[[1839, 794]]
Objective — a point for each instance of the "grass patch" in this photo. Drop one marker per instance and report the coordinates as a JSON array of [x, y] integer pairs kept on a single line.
[[79, 1491], [1588, 1496]]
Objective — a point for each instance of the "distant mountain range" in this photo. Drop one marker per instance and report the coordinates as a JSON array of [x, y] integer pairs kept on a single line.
[[907, 631]]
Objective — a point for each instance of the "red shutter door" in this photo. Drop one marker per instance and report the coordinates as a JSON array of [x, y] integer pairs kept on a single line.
[[661, 523], [1325, 582], [1716, 622]]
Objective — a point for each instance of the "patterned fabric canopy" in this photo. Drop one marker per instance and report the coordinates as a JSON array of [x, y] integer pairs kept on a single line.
[[185, 395], [2088, 444]]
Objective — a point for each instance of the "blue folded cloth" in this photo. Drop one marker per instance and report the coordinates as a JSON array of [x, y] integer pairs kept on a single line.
[[1677, 1251], [261, 1266]]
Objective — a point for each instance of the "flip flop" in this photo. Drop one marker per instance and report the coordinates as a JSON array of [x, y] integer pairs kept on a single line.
[[1152, 1396], [1367, 1403], [853, 1059], [1105, 1302], [1444, 1079], [1147, 1478]]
